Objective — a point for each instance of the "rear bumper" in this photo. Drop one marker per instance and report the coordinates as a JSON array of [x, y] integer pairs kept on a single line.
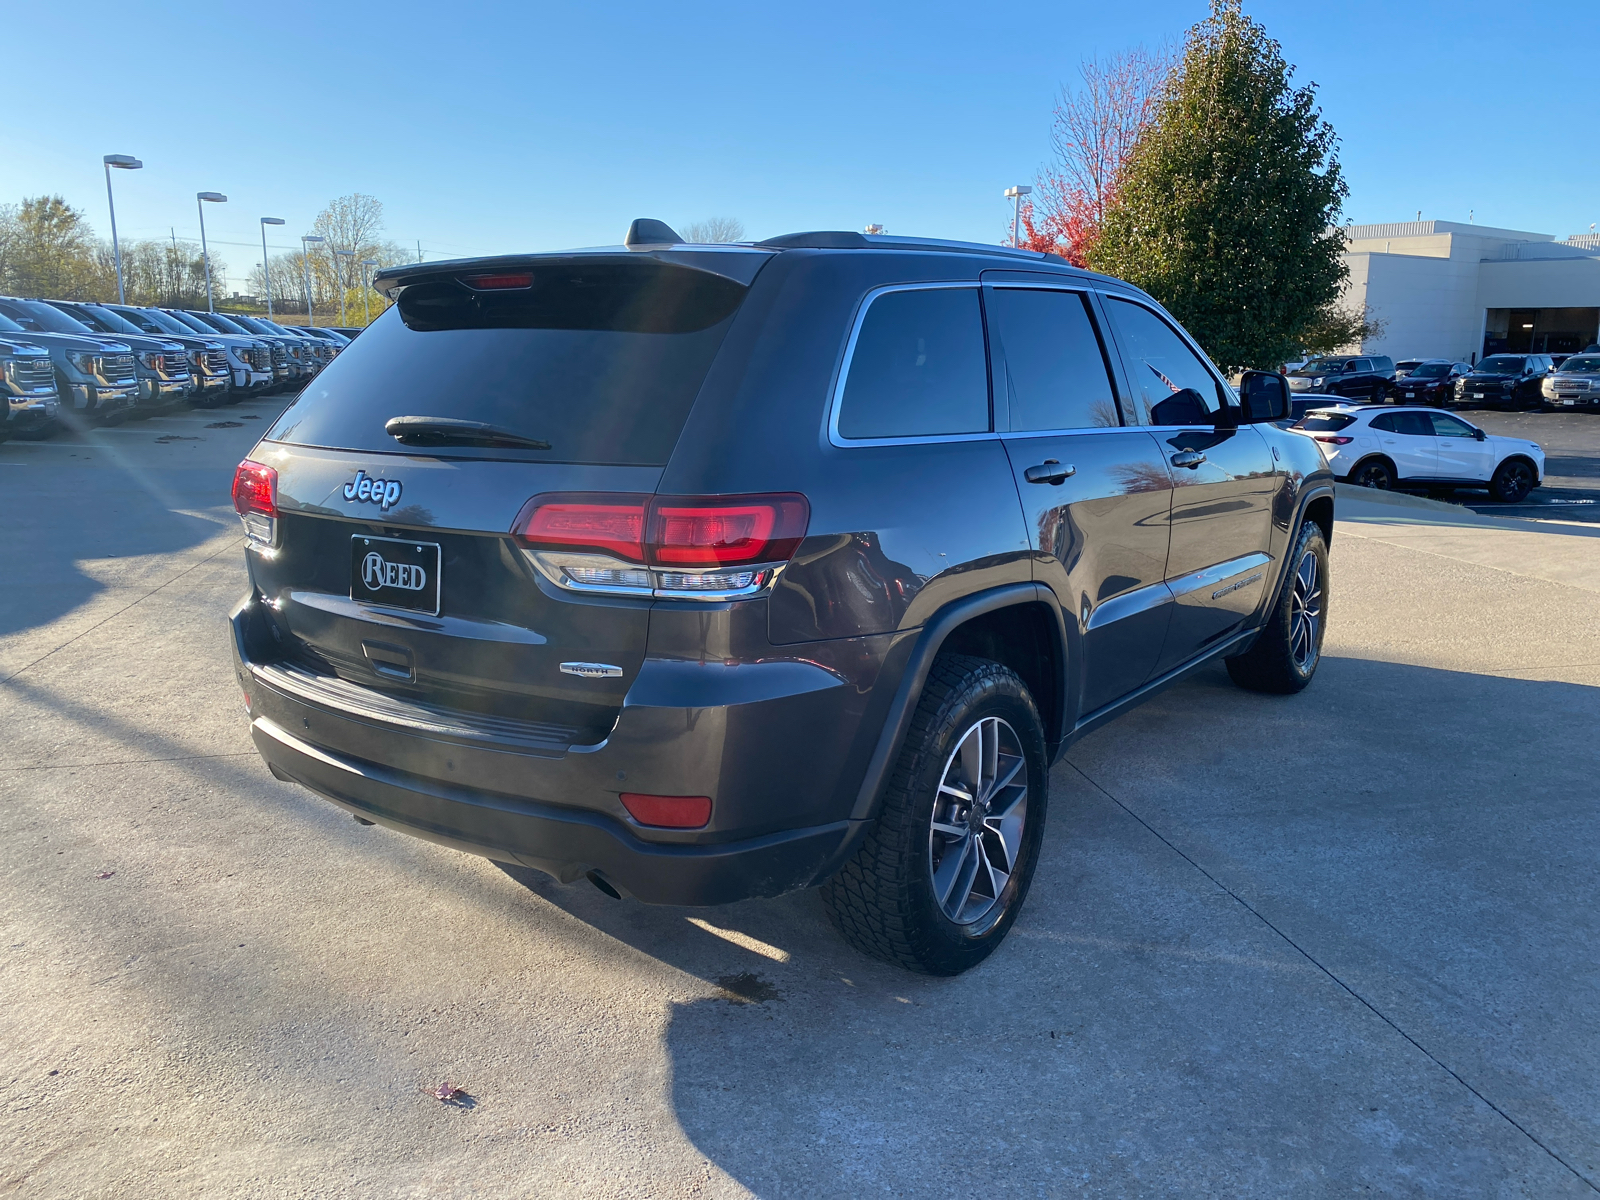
[[780, 747], [563, 842]]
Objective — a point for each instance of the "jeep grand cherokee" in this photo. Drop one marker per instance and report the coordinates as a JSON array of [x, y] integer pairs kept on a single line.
[[718, 572]]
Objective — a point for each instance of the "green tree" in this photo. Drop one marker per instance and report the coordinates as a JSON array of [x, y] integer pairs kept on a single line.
[[1227, 212], [50, 251]]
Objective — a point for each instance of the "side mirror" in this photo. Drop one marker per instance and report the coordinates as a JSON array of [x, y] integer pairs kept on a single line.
[[1263, 396], [1480, 435]]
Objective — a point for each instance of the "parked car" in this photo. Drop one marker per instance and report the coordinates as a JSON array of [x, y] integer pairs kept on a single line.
[[1368, 377], [209, 360], [28, 384], [1505, 381], [313, 350], [271, 354], [1557, 359], [746, 585], [95, 376], [203, 383], [1576, 384], [291, 364], [162, 364], [1423, 448], [1300, 405], [249, 357], [1431, 382], [1407, 365], [348, 331]]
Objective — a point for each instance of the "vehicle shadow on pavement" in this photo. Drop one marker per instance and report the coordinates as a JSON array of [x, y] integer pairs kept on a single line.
[[1243, 968]]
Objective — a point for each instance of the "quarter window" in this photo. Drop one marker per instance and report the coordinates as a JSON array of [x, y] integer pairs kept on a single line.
[[919, 368], [1054, 373], [1172, 385]]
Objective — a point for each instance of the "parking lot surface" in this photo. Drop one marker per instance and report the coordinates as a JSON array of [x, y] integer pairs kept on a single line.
[[1340, 942], [1571, 442]]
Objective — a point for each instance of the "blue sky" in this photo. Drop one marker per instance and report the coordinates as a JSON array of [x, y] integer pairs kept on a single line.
[[494, 127]]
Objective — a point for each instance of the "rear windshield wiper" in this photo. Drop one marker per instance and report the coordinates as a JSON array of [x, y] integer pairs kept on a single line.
[[448, 431]]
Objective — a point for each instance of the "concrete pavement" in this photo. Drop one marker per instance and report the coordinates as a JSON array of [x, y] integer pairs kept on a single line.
[[1338, 942]]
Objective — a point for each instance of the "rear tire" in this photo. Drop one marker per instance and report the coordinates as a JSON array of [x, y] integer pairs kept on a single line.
[[1286, 654], [1374, 473], [1513, 481], [927, 888]]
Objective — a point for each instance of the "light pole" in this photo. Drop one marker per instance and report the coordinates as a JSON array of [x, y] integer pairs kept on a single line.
[[305, 267], [201, 199], [266, 271], [336, 279], [366, 307], [1015, 195], [125, 162]]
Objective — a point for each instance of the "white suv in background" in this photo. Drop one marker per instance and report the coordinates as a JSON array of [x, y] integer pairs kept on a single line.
[[1379, 446]]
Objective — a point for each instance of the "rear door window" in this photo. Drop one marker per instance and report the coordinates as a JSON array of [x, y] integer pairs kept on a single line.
[[600, 360], [1054, 373], [918, 367]]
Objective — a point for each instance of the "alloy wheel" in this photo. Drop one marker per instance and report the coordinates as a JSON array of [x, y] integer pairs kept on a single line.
[[1305, 612], [978, 818], [1374, 475], [1518, 481]]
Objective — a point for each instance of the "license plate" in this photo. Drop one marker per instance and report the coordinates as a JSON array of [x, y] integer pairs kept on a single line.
[[1411, 395], [1477, 395], [395, 573], [1569, 402]]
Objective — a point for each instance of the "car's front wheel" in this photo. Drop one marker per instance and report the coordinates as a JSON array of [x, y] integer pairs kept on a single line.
[[938, 880], [1285, 655], [1374, 473], [1512, 481]]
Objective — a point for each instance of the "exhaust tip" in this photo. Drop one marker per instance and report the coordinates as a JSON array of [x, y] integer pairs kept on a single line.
[[601, 882]]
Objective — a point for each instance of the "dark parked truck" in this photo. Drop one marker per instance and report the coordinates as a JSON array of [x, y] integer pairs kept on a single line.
[[161, 363], [210, 362], [95, 376], [1507, 381], [1369, 378], [28, 384], [710, 573]]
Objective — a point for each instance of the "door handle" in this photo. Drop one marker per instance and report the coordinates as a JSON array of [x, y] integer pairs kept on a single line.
[[1049, 471], [1188, 458]]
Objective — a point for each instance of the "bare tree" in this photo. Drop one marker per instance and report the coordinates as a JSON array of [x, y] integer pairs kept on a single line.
[[714, 229], [1094, 131]]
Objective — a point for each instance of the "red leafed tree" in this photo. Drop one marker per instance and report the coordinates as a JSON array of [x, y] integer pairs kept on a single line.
[[1094, 131]]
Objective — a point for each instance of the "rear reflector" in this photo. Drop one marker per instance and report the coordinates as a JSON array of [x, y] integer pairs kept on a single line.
[[668, 812], [1337, 441]]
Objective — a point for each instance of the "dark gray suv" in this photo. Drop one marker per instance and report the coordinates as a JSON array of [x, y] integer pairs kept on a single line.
[[718, 572]]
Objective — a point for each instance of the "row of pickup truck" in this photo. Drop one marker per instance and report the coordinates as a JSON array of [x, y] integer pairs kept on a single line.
[[76, 363]]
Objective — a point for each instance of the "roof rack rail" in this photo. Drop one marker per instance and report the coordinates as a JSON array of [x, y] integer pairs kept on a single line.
[[842, 239]]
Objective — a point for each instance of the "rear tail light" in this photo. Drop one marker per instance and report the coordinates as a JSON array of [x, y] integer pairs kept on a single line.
[[668, 812], [255, 499], [704, 546], [1328, 437]]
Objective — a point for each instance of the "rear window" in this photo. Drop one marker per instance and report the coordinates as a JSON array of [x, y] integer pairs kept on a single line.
[[600, 360], [1323, 422], [918, 368]]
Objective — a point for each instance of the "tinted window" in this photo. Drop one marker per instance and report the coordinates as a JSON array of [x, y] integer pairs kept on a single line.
[[600, 360], [1323, 422], [1412, 424], [1172, 385], [37, 315], [1583, 363], [1431, 371], [918, 369], [1382, 364], [1446, 426], [1499, 364], [1055, 374]]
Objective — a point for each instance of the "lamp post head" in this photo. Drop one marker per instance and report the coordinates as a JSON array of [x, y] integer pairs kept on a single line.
[[369, 262], [1021, 189], [272, 220], [211, 197], [126, 162], [346, 253], [312, 237]]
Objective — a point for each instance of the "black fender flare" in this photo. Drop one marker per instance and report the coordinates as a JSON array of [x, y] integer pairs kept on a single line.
[[920, 662]]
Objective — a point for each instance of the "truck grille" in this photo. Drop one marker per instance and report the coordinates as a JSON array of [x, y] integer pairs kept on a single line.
[[280, 356], [33, 372], [260, 358], [118, 368], [217, 361]]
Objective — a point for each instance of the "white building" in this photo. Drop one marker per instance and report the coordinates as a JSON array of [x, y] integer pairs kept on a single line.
[[1442, 289]]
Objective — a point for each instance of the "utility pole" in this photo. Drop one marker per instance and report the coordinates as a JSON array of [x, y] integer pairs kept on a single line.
[[419, 250]]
